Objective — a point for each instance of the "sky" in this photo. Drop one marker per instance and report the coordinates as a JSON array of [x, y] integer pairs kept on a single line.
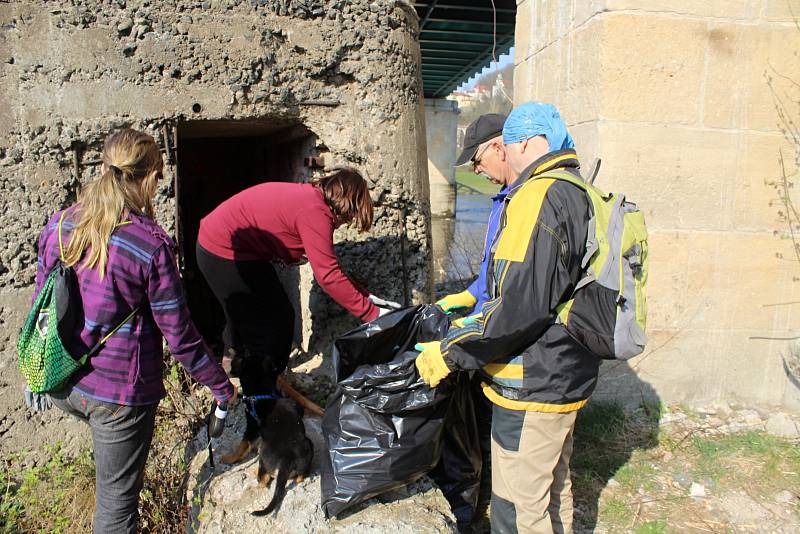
[[501, 62]]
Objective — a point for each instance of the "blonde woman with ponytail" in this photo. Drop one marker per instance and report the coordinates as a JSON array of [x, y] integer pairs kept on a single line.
[[126, 268]]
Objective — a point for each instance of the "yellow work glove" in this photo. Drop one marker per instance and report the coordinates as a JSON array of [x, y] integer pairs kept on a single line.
[[430, 363], [457, 301], [465, 321]]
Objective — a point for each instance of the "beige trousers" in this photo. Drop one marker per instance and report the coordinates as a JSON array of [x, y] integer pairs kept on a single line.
[[531, 487]]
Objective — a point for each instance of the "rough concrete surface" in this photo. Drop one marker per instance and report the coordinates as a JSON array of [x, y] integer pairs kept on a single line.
[[331, 79]]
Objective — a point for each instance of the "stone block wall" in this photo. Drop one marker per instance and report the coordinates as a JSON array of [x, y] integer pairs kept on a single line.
[[680, 101], [345, 72]]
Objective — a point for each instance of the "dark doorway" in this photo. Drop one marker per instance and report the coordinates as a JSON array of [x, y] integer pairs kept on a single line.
[[216, 160]]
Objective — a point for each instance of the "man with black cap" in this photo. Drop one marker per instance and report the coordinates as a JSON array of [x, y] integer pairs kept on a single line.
[[483, 148]]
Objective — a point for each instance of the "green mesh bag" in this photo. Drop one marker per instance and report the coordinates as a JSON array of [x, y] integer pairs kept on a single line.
[[57, 311], [43, 360]]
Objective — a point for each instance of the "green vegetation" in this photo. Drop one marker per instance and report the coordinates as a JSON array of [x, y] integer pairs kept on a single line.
[[752, 459], [652, 527], [475, 183], [654, 468], [605, 437], [58, 497], [55, 497], [617, 511]]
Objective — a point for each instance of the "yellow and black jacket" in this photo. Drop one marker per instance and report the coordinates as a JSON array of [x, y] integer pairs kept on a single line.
[[528, 361]]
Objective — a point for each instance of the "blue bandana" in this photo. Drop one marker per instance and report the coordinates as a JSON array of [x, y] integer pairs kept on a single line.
[[537, 118]]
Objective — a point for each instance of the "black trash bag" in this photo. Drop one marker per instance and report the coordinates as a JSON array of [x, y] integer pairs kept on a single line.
[[381, 340], [383, 427]]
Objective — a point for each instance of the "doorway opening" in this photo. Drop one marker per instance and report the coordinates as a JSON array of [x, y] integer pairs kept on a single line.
[[215, 160]]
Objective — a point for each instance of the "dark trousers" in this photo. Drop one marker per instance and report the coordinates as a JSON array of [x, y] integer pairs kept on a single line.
[[121, 437], [259, 320]]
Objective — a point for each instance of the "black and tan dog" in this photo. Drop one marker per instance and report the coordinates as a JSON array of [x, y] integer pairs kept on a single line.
[[285, 453]]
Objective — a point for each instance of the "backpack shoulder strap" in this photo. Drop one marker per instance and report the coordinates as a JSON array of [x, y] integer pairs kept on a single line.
[[99, 344], [60, 242]]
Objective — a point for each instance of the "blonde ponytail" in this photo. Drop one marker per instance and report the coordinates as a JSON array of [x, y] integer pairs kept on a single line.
[[132, 165]]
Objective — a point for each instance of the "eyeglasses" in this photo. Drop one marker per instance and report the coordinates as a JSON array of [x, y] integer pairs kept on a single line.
[[477, 159]]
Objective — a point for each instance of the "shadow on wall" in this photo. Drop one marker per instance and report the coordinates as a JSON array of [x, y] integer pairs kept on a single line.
[[622, 417]]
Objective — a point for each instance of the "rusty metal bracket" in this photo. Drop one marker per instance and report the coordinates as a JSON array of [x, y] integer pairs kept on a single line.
[[324, 103], [76, 163], [168, 148]]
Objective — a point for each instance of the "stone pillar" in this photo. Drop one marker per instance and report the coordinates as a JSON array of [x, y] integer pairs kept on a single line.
[[441, 121], [682, 106]]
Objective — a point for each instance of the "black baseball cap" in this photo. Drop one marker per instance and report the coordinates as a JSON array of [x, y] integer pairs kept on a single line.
[[479, 131]]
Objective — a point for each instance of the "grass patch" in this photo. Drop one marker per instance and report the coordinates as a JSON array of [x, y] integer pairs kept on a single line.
[[608, 443], [652, 527], [754, 459], [636, 474], [57, 497], [606, 435], [617, 512], [474, 181]]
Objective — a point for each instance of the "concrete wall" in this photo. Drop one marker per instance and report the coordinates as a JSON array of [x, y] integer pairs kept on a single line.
[[70, 74], [674, 96], [441, 124]]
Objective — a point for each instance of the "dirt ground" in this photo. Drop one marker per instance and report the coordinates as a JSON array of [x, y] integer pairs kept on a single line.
[[656, 469], [713, 469]]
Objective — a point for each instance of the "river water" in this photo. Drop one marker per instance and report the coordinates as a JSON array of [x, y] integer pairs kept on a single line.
[[458, 242]]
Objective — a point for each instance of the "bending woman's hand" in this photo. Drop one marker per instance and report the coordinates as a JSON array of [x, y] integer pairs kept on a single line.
[[387, 305]]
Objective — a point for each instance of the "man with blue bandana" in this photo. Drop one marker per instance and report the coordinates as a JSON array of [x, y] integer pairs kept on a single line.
[[536, 375]]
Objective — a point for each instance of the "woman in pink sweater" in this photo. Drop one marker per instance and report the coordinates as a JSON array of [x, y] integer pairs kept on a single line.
[[287, 223]]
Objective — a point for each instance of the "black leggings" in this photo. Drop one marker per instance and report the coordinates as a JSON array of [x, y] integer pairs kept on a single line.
[[259, 317]]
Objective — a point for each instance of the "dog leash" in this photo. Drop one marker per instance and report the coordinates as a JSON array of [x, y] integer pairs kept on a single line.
[[250, 404]]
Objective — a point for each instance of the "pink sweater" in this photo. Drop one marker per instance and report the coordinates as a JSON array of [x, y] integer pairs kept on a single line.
[[287, 223]]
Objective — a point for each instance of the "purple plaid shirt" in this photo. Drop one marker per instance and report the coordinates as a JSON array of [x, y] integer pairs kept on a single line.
[[141, 271]]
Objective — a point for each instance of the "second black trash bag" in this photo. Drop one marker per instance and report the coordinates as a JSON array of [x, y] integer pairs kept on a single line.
[[383, 427]]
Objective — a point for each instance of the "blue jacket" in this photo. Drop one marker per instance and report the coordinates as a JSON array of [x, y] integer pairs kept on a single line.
[[479, 288]]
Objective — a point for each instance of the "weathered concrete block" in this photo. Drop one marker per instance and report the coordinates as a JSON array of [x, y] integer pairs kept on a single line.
[[522, 31], [780, 424], [583, 78], [652, 68], [586, 140], [734, 9], [682, 177], [780, 10], [754, 273], [522, 81], [670, 278], [547, 72], [583, 10], [742, 61]]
